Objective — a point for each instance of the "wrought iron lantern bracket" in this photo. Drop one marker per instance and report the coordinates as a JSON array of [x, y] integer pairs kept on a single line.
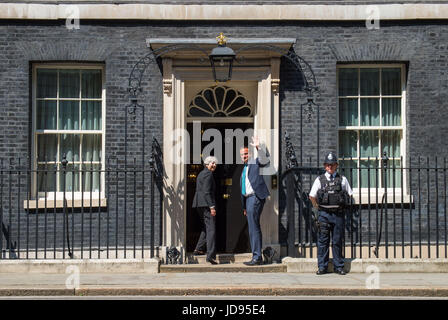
[[135, 78], [299, 63], [290, 153], [310, 105]]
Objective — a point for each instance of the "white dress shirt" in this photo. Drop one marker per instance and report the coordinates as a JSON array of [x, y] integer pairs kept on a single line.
[[249, 190]]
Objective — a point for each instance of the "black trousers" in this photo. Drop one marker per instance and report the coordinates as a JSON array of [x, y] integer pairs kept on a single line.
[[207, 238], [332, 227]]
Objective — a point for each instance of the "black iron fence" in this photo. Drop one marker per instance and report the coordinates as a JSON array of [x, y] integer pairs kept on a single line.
[[61, 210], [397, 210], [67, 210]]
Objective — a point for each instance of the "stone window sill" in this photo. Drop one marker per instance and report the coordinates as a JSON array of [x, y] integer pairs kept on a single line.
[[59, 203], [398, 198]]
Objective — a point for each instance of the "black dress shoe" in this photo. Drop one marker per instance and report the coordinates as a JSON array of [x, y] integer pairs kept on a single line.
[[253, 262], [321, 271], [198, 253], [340, 271], [211, 261]]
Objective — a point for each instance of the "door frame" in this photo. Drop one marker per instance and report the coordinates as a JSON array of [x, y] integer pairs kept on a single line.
[[176, 81]]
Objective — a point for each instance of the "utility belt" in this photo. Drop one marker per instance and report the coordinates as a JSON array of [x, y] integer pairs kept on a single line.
[[320, 226]]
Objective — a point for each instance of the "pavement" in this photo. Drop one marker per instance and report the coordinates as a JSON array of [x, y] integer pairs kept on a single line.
[[274, 284], [292, 277]]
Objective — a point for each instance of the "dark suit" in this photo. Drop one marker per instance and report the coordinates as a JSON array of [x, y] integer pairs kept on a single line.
[[204, 198], [254, 205]]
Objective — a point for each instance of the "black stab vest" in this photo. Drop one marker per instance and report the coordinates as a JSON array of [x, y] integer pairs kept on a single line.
[[331, 196]]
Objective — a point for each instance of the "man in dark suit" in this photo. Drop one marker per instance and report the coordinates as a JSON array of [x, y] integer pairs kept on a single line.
[[253, 196], [204, 202]]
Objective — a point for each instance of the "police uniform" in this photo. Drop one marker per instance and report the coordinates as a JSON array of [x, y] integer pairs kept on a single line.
[[332, 192]]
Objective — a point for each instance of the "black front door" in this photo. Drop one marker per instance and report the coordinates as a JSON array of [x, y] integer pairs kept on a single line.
[[231, 225]]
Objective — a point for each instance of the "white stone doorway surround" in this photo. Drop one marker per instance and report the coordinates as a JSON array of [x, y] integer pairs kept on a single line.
[[183, 76]]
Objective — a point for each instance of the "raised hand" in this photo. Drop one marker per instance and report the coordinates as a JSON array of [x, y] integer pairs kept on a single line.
[[255, 142]]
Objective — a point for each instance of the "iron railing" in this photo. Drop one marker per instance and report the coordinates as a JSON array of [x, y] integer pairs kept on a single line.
[[63, 210], [400, 211]]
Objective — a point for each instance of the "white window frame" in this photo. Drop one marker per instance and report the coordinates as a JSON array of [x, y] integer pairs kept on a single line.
[[87, 196], [363, 193]]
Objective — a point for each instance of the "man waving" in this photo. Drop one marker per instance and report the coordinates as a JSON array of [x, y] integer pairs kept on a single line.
[[253, 196]]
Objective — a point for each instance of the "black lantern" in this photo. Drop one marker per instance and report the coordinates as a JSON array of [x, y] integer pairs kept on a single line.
[[221, 60]]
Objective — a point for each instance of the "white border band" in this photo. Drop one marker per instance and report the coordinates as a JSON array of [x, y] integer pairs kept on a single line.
[[408, 11]]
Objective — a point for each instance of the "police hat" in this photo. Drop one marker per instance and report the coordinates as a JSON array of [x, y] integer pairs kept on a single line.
[[331, 158]]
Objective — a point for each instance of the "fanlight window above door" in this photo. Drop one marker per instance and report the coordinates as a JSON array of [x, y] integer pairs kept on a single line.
[[220, 101]]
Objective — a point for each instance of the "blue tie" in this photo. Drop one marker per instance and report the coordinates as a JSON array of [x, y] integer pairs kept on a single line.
[[243, 181]]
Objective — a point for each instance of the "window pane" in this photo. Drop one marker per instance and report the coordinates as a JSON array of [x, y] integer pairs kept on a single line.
[[68, 115], [348, 168], [209, 96], [368, 173], [46, 178], [71, 178], [370, 112], [348, 112], [91, 83], [243, 112], [369, 143], [392, 173], [348, 144], [203, 104], [91, 177], [196, 112], [47, 80], [69, 83], [91, 147], [391, 81], [219, 92], [46, 114], [370, 82], [348, 82], [391, 111], [70, 146], [230, 97], [47, 147], [91, 115], [238, 103], [391, 143]]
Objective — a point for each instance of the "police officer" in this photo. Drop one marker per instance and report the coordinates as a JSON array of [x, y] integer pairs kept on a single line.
[[329, 195]]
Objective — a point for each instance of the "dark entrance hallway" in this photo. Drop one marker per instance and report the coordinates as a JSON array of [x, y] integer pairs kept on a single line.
[[231, 225]]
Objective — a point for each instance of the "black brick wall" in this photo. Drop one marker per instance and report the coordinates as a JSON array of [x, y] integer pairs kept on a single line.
[[119, 45]]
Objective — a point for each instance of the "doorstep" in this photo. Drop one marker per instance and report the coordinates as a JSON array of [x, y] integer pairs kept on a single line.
[[226, 263]]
